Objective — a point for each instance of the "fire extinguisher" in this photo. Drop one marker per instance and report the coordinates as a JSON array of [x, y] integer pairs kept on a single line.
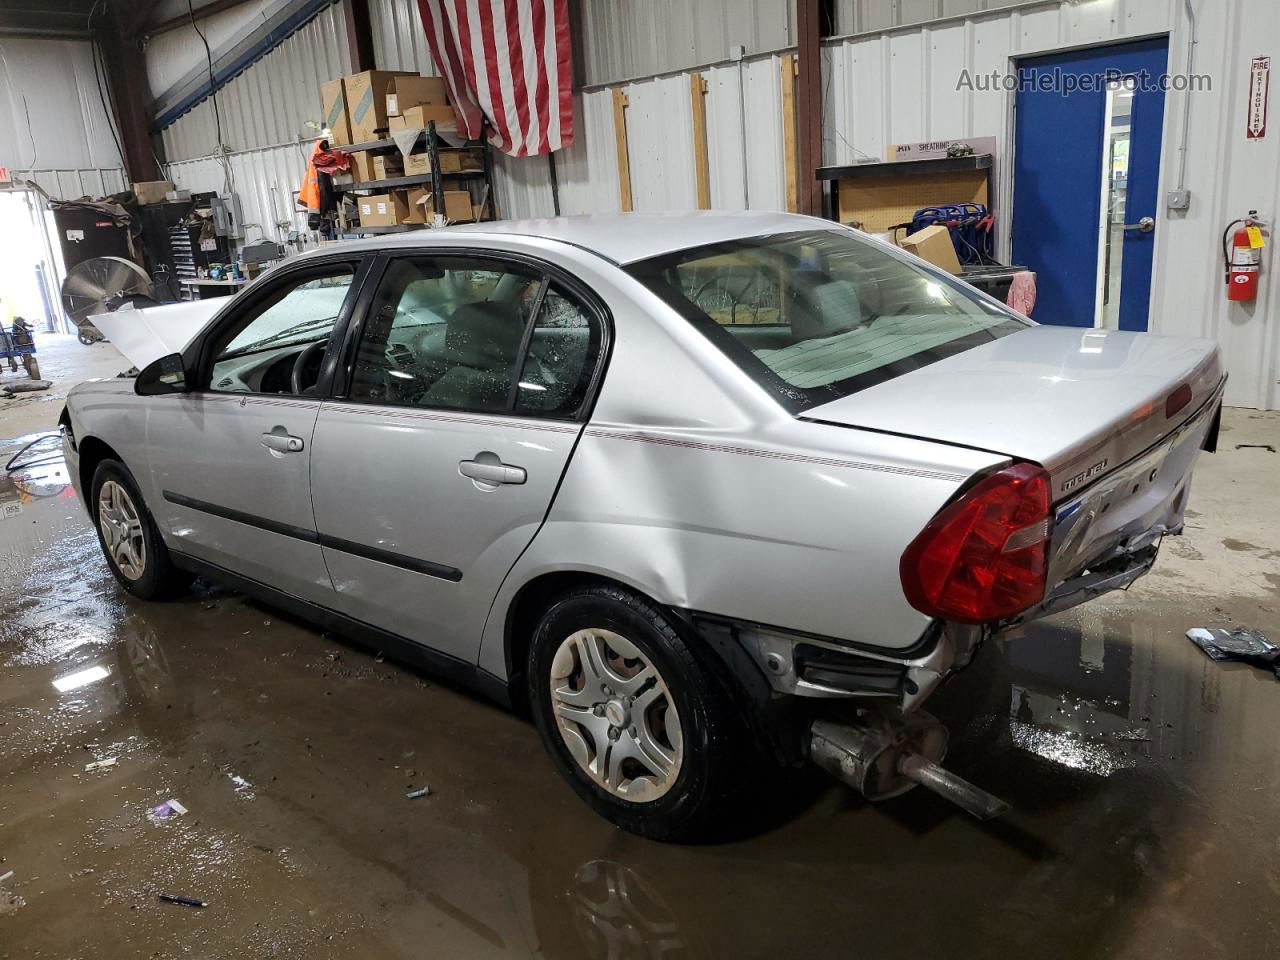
[[1242, 260]]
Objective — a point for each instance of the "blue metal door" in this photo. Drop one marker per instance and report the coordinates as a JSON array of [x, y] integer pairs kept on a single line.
[[1087, 130]]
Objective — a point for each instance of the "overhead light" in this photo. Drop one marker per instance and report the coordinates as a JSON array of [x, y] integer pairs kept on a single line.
[[81, 678]]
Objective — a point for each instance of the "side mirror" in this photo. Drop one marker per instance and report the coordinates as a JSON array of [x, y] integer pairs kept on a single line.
[[166, 375]]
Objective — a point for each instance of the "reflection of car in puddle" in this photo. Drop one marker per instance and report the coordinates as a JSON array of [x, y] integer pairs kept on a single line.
[[619, 916], [137, 671]]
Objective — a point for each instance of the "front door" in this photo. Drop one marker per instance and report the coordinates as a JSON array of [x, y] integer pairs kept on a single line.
[[1087, 134], [231, 460], [435, 472]]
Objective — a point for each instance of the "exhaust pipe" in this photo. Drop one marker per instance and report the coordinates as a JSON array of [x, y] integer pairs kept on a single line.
[[886, 753]]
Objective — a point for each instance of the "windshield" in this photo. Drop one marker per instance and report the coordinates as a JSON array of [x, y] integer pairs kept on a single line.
[[818, 315]]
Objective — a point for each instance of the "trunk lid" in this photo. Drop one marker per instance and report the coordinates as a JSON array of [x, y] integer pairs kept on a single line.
[[1079, 402]]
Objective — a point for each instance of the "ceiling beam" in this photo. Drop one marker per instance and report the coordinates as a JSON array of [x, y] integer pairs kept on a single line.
[[49, 24]]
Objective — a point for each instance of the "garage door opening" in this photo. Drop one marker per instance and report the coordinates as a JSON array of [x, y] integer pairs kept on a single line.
[[31, 269]]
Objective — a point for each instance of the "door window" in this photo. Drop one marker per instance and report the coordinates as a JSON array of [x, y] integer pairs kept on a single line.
[[277, 345], [451, 332], [563, 350]]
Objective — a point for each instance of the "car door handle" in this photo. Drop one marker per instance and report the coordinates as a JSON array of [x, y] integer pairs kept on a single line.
[[282, 442], [490, 472], [1146, 225]]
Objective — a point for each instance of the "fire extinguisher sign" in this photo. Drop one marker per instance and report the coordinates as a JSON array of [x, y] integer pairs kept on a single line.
[[1259, 91]]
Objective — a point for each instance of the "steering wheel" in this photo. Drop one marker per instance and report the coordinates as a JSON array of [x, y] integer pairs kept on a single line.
[[307, 358]]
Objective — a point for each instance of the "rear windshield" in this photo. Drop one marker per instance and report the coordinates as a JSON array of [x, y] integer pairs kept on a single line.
[[818, 315]]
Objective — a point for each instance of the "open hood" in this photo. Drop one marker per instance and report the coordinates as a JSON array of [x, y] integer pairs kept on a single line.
[[1080, 402], [149, 333]]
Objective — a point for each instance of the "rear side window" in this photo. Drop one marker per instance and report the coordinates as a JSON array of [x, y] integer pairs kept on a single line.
[[818, 315], [471, 334]]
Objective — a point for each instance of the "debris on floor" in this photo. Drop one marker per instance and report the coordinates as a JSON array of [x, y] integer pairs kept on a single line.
[[27, 386], [101, 764], [1240, 643], [163, 811], [185, 901], [420, 792], [6, 876]]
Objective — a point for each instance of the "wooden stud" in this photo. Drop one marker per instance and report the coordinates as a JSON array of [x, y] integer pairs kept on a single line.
[[789, 130], [620, 139], [701, 168], [809, 106]]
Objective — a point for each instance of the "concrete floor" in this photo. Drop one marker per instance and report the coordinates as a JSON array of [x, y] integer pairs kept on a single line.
[[1144, 779]]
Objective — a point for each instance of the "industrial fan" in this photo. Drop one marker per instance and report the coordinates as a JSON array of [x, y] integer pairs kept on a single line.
[[103, 285]]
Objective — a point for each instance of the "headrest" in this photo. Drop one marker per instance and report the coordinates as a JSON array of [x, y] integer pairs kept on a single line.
[[835, 309], [483, 335]]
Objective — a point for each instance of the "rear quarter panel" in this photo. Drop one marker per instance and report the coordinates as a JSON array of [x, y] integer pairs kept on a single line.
[[695, 488]]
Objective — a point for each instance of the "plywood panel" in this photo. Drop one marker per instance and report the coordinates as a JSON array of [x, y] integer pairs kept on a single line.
[[876, 204]]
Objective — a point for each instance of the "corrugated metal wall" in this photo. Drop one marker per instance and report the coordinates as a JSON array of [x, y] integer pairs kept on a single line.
[[171, 55], [52, 125], [626, 39], [1228, 176], [271, 102], [867, 16], [399, 42], [266, 181], [745, 159]]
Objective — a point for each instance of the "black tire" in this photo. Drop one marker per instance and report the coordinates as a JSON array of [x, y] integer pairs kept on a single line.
[[159, 579], [708, 793]]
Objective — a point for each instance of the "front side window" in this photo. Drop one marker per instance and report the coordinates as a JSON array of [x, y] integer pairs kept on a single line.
[[818, 315], [470, 334], [277, 346]]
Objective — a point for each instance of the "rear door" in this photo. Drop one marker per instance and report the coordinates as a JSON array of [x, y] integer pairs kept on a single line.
[[467, 389], [231, 460]]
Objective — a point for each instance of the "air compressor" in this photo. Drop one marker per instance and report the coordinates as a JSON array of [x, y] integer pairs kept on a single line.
[[1242, 257]]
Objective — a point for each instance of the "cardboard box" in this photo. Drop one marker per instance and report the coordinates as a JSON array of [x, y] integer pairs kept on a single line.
[[152, 191], [406, 92], [419, 117], [419, 199], [933, 244], [457, 206], [459, 161], [386, 166], [384, 209], [367, 102], [451, 161], [362, 166], [417, 164], [333, 112]]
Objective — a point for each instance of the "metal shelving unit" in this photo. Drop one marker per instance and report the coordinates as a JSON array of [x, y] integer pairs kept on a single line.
[[437, 178]]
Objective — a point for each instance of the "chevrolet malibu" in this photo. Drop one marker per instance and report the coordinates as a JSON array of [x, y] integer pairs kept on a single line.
[[699, 492]]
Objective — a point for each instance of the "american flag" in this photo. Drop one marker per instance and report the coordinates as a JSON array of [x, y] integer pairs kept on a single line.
[[507, 64]]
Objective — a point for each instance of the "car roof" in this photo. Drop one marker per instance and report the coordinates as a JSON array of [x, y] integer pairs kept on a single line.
[[621, 237]]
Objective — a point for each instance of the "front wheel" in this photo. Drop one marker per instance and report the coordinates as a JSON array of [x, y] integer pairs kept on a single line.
[[636, 722], [129, 537]]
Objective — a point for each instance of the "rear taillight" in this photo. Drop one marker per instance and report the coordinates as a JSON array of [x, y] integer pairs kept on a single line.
[[983, 558], [1177, 400]]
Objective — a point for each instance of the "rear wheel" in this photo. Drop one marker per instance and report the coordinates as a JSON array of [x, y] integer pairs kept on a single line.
[[636, 722], [129, 537]]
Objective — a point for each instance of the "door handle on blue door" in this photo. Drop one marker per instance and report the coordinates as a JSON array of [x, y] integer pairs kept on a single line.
[[278, 441], [1146, 225], [491, 470]]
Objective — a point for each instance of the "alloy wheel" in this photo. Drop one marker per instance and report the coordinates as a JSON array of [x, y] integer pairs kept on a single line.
[[615, 714], [121, 528]]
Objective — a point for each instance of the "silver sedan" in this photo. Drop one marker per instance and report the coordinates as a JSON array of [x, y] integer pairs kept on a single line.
[[701, 492]]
